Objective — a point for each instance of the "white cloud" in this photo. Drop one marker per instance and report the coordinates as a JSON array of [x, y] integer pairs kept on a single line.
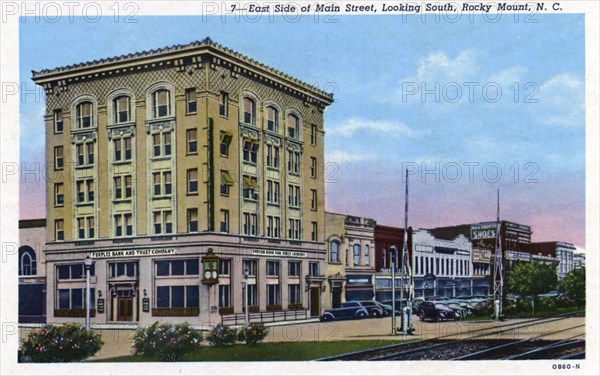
[[507, 77], [340, 157], [562, 100], [354, 125], [441, 67]]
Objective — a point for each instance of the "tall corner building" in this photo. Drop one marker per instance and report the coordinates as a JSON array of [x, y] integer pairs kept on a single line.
[[163, 159]]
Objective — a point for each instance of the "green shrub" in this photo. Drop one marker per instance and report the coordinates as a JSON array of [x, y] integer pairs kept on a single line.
[[60, 343], [545, 304], [222, 335], [168, 342], [564, 302], [252, 333]]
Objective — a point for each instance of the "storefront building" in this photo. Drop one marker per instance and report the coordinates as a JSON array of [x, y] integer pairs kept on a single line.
[[32, 271], [159, 159], [562, 251], [387, 237]]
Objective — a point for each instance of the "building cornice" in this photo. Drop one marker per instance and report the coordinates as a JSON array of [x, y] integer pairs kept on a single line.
[[180, 57]]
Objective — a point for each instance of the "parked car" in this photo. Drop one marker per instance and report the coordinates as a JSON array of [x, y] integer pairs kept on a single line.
[[437, 311], [387, 308], [463, 312], [374, 308], [347, 310], [402, 303]]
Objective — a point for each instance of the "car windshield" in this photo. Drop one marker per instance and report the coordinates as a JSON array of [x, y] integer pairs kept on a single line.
[[441, 306], [368, 304]]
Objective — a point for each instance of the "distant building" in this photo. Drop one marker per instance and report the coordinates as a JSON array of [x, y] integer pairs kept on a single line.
[[561, 251], [442, 267], [32, 271], [350, 258], [385, 238], [578, 260]]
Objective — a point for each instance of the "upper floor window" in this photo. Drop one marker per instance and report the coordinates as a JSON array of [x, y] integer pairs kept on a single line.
[[123, 224], [313, 134], [122, 148], [163, 222], [84, 153], [224, 106], [27, 261], [334, 252], [313, 167], [59, 229], [293, 126], [161, 103], [294, 161], [356, 254], [250, 153], [162, 183], [272, 119], [225, 142], [84, 114], [59, 162], [249, 111], [178, 267], [161, 144], [273, 268], [191, 136], [122, 109], [58, 121], [367, 255], [191, 104], [272, 156], [294, 268], [59, 194]]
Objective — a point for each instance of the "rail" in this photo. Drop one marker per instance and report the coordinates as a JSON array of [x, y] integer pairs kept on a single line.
[[269, 316]]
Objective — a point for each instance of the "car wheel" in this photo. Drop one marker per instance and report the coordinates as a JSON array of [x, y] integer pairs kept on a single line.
[[361, 315], [422, 316], [376, 314]]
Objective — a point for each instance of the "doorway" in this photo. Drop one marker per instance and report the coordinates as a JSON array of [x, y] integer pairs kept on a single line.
[[336, 296], [315, 301], [124, 309]]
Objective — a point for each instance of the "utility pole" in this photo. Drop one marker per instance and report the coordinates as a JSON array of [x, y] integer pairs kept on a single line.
[[498, 269], [406, 272]]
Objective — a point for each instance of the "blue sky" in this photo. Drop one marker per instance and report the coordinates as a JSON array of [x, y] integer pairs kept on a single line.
[[375, 127]]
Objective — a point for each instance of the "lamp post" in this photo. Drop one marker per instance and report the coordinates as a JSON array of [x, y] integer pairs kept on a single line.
[[88, 262], [246, 313]]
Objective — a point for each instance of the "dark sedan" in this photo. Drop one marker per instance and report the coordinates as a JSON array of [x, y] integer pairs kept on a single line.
[[348, 310], [437, 311]]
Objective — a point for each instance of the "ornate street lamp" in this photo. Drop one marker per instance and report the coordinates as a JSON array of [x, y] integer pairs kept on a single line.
[[210, 266], [87, 262]]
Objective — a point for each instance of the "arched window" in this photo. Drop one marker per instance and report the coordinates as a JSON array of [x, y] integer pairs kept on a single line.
[[334, 251], [27, 262], [84, 112], [367, 255], [356, 254], [249, 111], [293, 126], [161, 103], [122, 109], [384, 254], [272, 119]]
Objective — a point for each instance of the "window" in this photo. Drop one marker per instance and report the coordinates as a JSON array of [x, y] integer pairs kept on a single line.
[[356, 254], [178, 296], [224, 295], [294, 229], [123, 224], [123, 269], [85, 153], [334, 251], [163, 222], [224, 220], [294, 161], [250, 224], [161, 103], [73, 271], [249, 107], [294, 268], [161, 144], [251, 266], [83, 187], [225, 142], [59, 126], [192, 141], [313, 199], [272, 156], [192, 181], [84, 114], [226, 182], [294, 294], [273, 268], [272, 119], [190, 101], [121, 182], [59, 194], [177, 267], [224, 106], [367, 255], [75, 298], [58, 158], [273, 226], [224, 267], [59, 229], [273, 191], [313, 134], [313, 269], [250, 188], [273, 294], [293, 126], [85, 227], [120, 145], [162, 183], [313, 233], [313, 167], [192, 220], [27, 261], [293, 195], [122, 109], [250, 153]]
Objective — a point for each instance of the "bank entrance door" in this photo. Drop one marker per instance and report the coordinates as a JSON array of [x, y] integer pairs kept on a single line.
[[124, 309], [124, 302]]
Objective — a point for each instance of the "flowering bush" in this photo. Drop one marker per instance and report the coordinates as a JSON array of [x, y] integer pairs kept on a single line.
[[564, 301], [166, 341], [546, 304], [222, 335], [60, 343], [252, 333]]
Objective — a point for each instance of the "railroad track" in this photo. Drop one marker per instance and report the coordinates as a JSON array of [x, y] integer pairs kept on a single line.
[[459, 348]]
